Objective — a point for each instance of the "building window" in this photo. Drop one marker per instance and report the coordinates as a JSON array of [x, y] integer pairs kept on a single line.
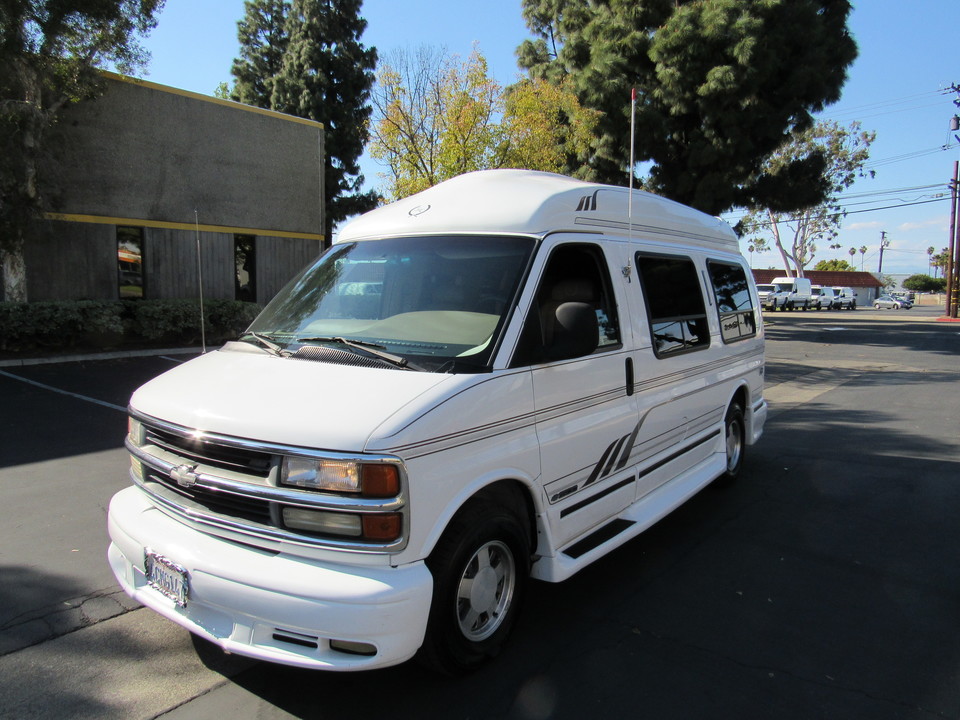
[[737, 319], [678, 318], [130, 262], [245, 260]]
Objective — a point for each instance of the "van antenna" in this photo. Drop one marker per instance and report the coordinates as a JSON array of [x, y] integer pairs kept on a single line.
[[633, 116]]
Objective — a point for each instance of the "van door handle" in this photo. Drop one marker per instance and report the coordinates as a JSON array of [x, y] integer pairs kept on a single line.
[[628, 367]]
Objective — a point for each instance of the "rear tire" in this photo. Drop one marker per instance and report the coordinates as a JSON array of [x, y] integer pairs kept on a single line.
[[480, 570], [735, 434]]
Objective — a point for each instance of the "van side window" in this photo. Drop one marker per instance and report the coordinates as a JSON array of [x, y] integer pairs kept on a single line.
[[737, 319], [574, 275], [678, 320]]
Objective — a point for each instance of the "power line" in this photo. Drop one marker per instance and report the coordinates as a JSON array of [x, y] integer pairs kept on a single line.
[[882, 105], [767, 223]]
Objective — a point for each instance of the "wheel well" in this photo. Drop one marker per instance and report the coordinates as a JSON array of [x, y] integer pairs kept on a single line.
[[514, 495], [740, 396]]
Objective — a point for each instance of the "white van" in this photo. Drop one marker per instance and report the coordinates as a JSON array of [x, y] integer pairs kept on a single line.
[[790, 293], [496, 379], [824, 298], [847, 298]]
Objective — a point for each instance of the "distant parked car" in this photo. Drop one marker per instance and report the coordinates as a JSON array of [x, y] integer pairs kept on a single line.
[[764, 292], [847, 298], [788, 293], [892, 303], [824, 298]]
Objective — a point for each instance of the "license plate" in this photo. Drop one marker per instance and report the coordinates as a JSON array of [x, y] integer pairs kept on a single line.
[[167, 578]]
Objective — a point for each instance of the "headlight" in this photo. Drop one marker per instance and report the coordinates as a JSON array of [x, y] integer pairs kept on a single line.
[[378, 480]]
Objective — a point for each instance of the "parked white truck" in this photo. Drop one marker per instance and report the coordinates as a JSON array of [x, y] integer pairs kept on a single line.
[[498, 378]]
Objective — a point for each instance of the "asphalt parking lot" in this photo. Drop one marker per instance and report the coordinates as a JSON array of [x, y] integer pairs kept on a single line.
[[824, 584]]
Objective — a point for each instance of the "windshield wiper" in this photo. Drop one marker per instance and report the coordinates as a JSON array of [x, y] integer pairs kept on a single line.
[[268, 344], [367, 347]]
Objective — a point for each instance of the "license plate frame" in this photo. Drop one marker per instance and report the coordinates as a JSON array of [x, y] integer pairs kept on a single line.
[[167, 577]]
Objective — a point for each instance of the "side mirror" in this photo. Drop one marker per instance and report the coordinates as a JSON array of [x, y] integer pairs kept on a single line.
[[576, 332]]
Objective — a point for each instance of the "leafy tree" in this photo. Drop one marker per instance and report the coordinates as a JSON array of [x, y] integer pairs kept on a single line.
[[436, 117], [721, 85], [314, 66], [924, 283], [834, 265], [845, 150], [50, 52], [263, 43], [544, 126]]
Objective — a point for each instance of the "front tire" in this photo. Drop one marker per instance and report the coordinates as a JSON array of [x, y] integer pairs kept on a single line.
[[480, 568]]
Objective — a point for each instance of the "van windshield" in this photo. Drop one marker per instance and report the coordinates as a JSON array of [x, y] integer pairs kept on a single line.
[[784, 287], [438, 302]]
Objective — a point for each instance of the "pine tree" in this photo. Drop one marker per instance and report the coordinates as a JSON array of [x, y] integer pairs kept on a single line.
[[327, 75], [721, 84], [263, 42]]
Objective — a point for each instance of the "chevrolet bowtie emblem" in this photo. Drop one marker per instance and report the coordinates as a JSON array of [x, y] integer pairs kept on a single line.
[[184, 475]]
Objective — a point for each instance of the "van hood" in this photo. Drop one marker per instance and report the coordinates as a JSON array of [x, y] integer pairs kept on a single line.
[[305, 403]]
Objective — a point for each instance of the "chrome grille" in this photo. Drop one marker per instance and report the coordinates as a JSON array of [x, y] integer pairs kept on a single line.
[[197, 449], [222, 503], [233, 484]]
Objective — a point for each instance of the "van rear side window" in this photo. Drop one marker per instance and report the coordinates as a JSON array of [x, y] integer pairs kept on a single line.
[[678, 319], [737, 319]]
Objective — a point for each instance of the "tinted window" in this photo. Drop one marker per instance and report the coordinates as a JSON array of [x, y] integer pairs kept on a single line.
[[737, 319], [574, 274], [678, 320]]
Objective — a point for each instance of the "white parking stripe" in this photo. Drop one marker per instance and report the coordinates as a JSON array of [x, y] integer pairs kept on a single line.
[[63, 392]]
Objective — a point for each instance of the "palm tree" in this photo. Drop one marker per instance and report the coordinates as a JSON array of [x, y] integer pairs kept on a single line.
[[863, 252], [930, 252]]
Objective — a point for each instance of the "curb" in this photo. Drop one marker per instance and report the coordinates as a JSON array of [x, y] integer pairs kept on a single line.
[[116, 355]]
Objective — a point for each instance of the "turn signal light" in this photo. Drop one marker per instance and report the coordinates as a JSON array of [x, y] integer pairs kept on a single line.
[[382, 526]]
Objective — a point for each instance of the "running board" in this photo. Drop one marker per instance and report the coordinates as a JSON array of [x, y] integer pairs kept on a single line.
[[597, 538], [634, 519]]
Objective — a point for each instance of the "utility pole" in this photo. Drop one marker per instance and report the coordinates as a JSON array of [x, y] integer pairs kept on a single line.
[[883, 244], [951, 269]]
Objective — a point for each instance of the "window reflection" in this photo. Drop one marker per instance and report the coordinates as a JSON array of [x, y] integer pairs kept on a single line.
[[130, 262], [675, 306], [737, 319]]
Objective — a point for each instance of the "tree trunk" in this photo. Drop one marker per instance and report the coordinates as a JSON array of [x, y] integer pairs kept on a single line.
[[14, 272]]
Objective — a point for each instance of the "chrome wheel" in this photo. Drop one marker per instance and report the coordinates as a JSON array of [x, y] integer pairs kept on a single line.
[[734, 446], [485, 591]]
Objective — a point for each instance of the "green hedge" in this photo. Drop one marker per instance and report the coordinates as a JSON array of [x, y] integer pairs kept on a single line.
[[105, 324]]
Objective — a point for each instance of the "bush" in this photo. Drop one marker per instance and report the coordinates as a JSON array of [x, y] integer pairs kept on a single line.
[[56, 326]]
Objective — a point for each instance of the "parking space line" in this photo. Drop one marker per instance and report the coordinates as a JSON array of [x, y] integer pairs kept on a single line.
[[63, 392]]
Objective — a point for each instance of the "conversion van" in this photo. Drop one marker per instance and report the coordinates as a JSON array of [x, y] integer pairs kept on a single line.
[[790, 293], [505, 376]]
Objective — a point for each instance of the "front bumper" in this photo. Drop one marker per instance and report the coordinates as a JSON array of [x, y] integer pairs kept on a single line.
[[271, 606]]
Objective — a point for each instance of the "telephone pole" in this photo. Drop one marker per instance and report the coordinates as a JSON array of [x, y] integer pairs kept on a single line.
[[883, 244]]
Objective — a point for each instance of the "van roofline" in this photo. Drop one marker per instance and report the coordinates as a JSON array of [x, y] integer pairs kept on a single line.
[[528, 202]]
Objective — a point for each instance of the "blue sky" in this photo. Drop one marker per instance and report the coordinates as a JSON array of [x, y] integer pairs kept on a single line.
[[908, 57]]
